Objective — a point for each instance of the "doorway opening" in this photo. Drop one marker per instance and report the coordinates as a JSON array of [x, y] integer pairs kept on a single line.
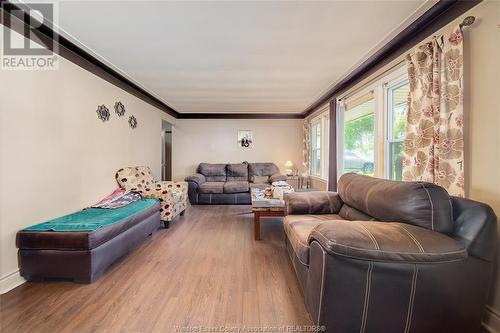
[[166, 150]]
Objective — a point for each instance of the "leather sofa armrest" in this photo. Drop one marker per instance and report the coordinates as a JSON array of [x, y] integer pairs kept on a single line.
[[277, 177], [317, 202], [475, 227], [197, 178], [386, 242]]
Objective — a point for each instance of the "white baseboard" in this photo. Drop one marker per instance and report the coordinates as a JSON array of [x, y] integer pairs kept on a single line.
[[10, 281], [491, 321]]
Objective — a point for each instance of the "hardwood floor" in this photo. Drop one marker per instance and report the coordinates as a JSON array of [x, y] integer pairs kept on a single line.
[[205, 270]]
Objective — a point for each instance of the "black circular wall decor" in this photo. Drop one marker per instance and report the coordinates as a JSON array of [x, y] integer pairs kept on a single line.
[[103, 113], [119, 109], [132, 122]]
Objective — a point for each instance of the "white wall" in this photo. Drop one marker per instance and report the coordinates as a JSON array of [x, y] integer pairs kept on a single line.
[[215, 141], [56, 155], [482, 63]]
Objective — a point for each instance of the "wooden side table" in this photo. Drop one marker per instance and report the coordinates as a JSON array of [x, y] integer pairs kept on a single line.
[[264, 212], [294, 181], [302, 181]]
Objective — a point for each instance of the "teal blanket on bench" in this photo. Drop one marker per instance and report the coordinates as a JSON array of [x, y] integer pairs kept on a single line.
[[92, 218]]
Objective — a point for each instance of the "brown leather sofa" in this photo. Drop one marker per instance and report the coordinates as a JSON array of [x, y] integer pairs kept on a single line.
[[387, 256]]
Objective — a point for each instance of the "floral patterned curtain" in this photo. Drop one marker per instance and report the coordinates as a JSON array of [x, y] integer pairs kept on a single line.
[[433, 146], [306, 151]]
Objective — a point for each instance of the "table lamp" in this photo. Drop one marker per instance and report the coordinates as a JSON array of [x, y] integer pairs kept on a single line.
[[289, 165]]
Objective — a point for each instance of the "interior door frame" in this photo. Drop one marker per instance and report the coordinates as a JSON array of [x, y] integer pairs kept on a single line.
[[166, 161]]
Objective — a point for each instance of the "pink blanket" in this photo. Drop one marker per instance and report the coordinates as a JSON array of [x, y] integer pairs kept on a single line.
[[119, 198]]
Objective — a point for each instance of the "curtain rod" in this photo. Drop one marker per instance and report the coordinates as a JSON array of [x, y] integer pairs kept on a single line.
[[348, 94], [468, 21]]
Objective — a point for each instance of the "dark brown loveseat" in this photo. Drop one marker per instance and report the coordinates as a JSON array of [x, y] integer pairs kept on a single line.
[[386, 256], [230, 183]]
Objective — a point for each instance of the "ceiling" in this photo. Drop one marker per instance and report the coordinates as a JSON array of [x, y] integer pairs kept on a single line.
[[235, 57]]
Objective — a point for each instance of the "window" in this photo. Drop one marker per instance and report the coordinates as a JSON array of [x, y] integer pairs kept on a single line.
[[359, 135], [370, 126], [316, 149], [397, 106], [319, 145]]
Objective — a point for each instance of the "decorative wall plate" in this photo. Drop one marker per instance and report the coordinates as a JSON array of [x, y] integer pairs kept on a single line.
[[103, 113], [119, 109], [132, 122]]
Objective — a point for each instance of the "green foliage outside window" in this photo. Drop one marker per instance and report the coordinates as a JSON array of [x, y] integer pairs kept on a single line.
[[359, 135]]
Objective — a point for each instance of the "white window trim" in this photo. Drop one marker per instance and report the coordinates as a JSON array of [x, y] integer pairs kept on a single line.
[[313, 123], [388, 139], [379, 88], [340, 128], [322, 119]]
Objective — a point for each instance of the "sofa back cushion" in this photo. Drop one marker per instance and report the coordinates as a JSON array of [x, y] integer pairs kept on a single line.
[[260, 179], [213, 172], [422, 204], [349, 213], [262, 169], [134, 178], [237, 172]]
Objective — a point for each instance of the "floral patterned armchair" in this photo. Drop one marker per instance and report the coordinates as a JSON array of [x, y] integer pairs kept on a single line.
[[172, 195]]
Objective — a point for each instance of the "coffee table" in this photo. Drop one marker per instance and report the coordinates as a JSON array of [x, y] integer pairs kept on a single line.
[[265, 208]]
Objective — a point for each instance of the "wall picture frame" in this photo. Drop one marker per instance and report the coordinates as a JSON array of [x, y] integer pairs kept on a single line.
[[245, 139]]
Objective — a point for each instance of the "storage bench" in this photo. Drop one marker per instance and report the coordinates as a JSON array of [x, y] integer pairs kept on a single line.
[[84, 255]]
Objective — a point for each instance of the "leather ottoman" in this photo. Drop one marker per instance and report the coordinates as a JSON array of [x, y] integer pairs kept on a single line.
[[82, 256]]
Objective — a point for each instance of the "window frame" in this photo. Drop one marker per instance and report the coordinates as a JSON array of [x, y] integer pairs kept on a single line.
[[322, 119], [383, 119], [400, 80], [373, 89], [315, 122]]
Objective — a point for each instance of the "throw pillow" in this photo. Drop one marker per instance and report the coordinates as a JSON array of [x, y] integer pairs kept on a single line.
[[260, 179]]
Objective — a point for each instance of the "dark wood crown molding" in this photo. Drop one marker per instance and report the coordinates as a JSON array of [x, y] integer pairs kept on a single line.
[[438, 16], [432, 20], [240, 116]]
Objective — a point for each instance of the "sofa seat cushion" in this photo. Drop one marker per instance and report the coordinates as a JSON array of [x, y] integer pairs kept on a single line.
[[236, 187], [81, 240], [298, 228], [211, 187], [386, 242]]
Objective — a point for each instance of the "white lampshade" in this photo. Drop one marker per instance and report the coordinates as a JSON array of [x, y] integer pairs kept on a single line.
[[289, 164]]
